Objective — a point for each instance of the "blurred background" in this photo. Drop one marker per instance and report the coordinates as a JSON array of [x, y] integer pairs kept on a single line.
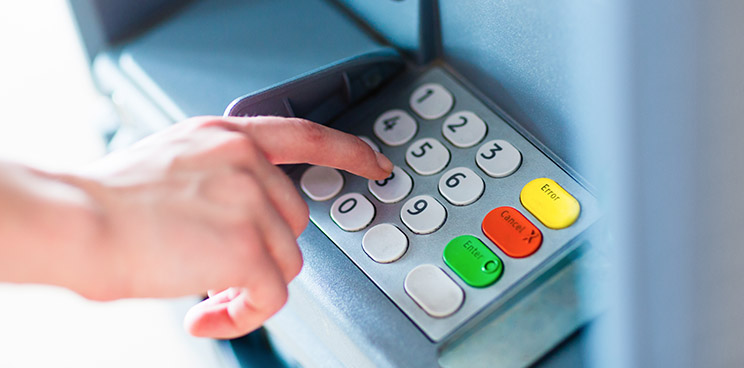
[[52, 118]]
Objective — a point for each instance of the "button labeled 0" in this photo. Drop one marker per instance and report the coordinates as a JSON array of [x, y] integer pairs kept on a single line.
[[512, 232]]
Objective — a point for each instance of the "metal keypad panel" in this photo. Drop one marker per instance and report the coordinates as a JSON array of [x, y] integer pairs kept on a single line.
[[456, 162]]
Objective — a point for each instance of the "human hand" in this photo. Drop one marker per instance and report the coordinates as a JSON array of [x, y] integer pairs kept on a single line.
[[201, 206]]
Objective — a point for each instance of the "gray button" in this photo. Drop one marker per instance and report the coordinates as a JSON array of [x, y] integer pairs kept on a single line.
[[498, 158], [385, 243], [392, 189], [427, 156], [352, 212], [395, 127], [431, 101], [461, 186], [434, 291], [423, 214], [464, 129], [321, 183]]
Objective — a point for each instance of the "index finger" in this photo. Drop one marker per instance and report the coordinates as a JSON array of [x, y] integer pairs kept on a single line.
[[293, 140]]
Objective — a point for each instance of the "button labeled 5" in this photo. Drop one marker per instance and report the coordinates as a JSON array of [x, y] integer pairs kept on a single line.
[[427, 156]]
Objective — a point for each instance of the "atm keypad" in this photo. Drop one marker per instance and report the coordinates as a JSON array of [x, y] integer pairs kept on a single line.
[[447, 234]]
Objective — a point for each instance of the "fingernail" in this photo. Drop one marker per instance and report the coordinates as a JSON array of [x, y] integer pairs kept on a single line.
[[384, 162]]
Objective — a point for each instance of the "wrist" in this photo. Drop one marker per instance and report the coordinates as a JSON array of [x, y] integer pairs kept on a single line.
[[52, 230]]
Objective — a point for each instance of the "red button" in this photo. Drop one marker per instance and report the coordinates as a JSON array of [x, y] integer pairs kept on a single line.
[[512, 232]]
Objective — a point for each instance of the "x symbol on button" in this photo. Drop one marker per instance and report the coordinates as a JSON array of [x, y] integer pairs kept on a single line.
[[532, 235]]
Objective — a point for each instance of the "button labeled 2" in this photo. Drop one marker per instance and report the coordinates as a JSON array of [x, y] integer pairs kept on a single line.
[[473, 261], [511, 232], [550, 203]]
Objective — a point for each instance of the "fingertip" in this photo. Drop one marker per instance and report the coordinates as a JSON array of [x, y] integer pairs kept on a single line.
[[385, 164]]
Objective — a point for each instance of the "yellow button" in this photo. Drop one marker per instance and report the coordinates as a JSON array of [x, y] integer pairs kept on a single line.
[[550, 203]]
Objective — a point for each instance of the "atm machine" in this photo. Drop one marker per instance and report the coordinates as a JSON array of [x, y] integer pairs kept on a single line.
[[472, 252]]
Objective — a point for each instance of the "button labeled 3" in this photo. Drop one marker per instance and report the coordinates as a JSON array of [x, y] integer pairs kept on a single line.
[[431, 101], [472, 261], [392, 189], [498, 158]]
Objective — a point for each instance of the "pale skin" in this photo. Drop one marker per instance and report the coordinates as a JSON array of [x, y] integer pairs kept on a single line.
[[199, 206]]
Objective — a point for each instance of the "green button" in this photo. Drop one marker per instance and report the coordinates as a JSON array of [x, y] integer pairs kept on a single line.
[[473, 261]]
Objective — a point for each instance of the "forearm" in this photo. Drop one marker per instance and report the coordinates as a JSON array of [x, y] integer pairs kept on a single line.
[[48, 230]]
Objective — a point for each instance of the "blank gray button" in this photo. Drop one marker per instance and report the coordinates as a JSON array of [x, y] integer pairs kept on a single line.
[[431, 101], [385, 243], [434, 291], [321, 183], [392, 189], [498, 158]]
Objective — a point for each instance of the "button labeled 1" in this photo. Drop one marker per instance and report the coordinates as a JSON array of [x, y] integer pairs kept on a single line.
[[461, 186], [423, 214], [427, 156], [431, 101], [498, 158], [352, 212], [464, 129], [392, 189], [395, 127]]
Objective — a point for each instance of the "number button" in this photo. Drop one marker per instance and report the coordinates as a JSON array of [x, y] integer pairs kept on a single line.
[[352, 212], [321, 183], [392, 189], [431, 101], [427, 156], [498, 158], [464, 129], [461, 186], [385, 243], [395, 127], [423, 214]]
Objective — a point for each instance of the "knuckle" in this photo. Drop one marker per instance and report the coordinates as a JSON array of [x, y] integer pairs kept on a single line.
[[312, 132]]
